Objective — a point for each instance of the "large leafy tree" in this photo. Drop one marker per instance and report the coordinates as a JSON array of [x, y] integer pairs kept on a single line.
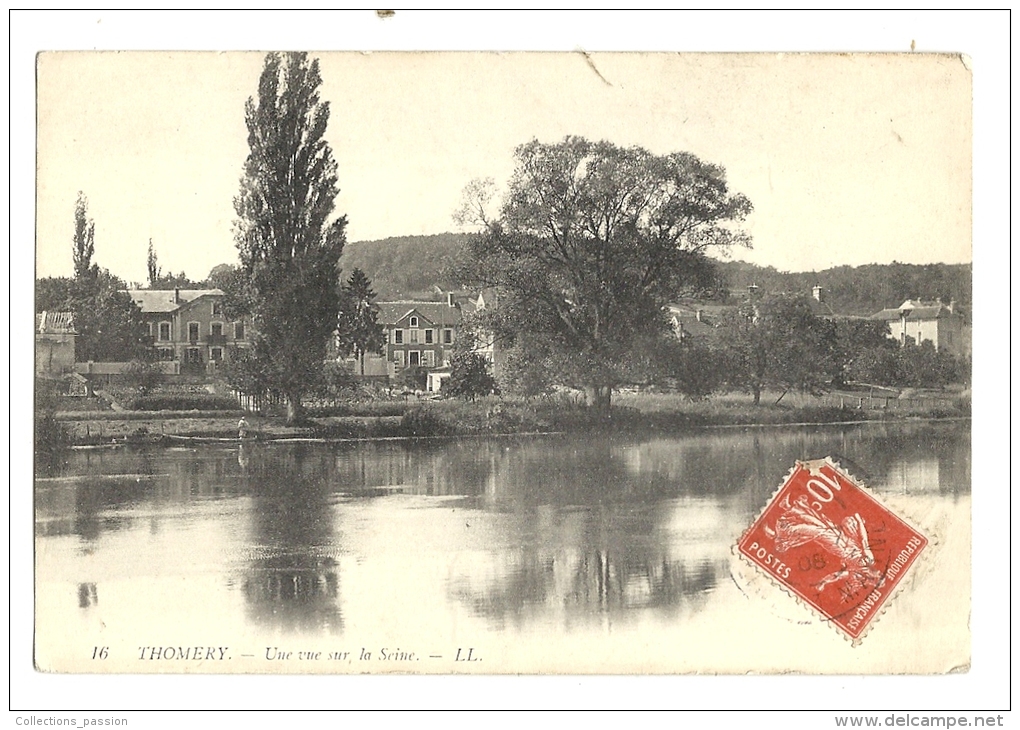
[[358, 327], [288, 241], [591, 241], [861, 346], [778, 342], [109, 324]]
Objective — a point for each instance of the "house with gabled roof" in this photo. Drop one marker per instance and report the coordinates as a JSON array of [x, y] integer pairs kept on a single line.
[[191, 328], [420, 333], [919, 321]]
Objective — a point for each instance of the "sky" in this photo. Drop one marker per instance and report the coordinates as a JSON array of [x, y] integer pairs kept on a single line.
[[847, 159]]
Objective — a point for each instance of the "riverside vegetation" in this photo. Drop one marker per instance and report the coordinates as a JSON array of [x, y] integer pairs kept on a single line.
[[634, 412]]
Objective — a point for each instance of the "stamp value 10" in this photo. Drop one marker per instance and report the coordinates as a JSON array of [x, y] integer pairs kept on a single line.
[[834, 545]]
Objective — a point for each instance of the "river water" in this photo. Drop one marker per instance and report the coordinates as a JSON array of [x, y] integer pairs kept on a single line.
[[524, 554]]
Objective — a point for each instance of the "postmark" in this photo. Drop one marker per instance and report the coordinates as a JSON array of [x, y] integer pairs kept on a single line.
[[831, 543]]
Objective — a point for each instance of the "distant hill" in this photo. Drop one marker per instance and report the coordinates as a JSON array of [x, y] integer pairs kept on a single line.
[[860, 290], [407, 267]]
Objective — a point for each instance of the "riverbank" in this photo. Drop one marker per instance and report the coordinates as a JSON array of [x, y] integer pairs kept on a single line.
[[632, 413]]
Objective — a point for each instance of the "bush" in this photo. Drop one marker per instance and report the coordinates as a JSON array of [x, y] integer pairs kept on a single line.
[[423, 421], [144, 375], [50, 434], [183, 402]]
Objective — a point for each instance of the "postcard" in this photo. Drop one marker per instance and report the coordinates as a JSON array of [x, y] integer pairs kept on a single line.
[[502, 363]]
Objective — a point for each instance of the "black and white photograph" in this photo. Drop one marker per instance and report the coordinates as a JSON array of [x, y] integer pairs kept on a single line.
[[484, 362]]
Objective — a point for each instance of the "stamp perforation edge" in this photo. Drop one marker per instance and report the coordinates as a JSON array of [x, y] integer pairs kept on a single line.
[[919, 566]]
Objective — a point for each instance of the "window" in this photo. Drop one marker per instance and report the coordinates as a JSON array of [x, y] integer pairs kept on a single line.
[[413, 358], [164, 331], [216, 354], [217, 309], [398, 358], [216, 329], [414, 322], [430, 358], [398, 337], [447, 337], [239, 330], [414, 335], [193, 331], [165, 353], [428, 337]]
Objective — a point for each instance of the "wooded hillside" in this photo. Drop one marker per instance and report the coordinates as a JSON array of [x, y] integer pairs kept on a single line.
[[412, 266]]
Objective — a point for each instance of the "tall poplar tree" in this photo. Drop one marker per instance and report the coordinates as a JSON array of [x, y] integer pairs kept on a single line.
[[288, 240], [84, 240]]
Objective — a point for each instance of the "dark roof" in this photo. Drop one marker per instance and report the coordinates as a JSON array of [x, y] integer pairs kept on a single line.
[[686, 318], [162, 300], [438, 313], [54, 323]]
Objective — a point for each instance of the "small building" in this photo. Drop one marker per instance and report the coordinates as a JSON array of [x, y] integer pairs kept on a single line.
[[191, 328], [919, 321], [54, 343], [436, 378]]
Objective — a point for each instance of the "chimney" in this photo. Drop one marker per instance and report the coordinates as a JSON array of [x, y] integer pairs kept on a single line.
[[816, 292], [177, 295], [449, 299]]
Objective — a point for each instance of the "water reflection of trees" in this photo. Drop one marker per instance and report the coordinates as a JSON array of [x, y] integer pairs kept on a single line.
[[96, 491], [605, 567], [291, 575]]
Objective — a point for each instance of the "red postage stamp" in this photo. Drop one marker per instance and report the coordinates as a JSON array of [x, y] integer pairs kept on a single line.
[[832, 544]]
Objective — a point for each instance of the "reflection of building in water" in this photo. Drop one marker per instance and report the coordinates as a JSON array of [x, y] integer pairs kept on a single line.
[[913, 475], [294, 592], [87, 595], [591, 565]]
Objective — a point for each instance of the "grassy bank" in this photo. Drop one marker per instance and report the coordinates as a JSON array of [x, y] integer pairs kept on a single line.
[[631, 413]]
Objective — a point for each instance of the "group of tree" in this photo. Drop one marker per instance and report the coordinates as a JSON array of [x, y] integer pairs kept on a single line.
[[108, 323], [585, 249], [779, 344]]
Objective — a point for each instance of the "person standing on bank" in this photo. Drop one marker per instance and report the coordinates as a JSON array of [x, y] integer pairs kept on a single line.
[[242, 428]]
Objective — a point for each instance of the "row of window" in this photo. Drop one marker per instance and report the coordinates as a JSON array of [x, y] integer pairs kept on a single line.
[[426, 358], [191, 354], [194, 331], [427, 337]]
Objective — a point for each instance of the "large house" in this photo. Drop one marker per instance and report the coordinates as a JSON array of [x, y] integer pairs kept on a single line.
[[423, 334], [190, 327], [938, 323]]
